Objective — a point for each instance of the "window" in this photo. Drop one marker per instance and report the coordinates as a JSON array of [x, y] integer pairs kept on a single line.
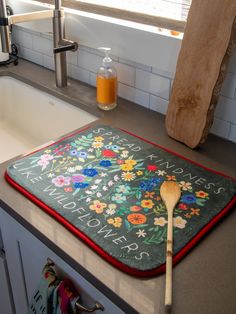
[[170, 14]]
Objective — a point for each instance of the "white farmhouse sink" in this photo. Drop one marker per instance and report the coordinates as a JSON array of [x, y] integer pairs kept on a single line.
[[30, 117]]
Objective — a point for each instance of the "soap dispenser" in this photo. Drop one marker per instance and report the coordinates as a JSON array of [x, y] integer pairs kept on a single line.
[[106, 83]]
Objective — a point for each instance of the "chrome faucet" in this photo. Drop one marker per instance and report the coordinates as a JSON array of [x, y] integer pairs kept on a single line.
[[61, 45]]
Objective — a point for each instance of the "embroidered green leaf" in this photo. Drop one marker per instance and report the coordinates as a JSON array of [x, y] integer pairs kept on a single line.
[[127, 224], [138, 194], [81, 159], [200, 201]]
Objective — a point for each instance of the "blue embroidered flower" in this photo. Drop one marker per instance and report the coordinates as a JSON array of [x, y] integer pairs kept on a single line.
[[188, 199], [82, 154], [105, 163], [80, 185], [90, 172], [147, 185], [115, 147], [73, 152]]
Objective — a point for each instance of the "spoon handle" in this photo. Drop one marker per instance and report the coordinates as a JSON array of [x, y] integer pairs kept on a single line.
[[169, 245]]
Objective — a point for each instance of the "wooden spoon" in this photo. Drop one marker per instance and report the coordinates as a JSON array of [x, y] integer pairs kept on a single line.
[[170, 193]]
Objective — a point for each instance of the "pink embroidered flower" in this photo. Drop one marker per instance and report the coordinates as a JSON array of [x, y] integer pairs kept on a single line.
[[68, 189], [44, 160], [60, 181]]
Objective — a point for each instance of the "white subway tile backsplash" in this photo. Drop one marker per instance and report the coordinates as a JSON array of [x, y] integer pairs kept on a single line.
[[147, 86], [125, 73], [133, 94], [153, 84], [89, 61], [78, 73], [30, 55], [42, 45], [22, 38], [158, 104], [229, 85], [220, 128], [232, 132], [226, 109]]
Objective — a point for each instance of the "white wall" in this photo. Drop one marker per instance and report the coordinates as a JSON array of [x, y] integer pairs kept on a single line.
[[145, 60]]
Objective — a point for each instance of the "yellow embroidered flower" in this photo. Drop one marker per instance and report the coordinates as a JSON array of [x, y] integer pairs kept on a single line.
[[130, 162], [128, 176], [98, 206], [186, 186], [117, 222], [47, 151], [139, 173], [126, 167], [99, 139], [97, 144], [110, 221], [147, 203], [201, 194]]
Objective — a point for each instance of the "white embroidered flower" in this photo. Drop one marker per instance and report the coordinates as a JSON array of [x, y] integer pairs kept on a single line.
[[110, 211], [161, 172], [105, 188], [103, 174], [161, 221], [88, 192], [88, 199], [71, 169], [78, 167], [141, 233], [179, 222], [99, 194], [90, 150], [124, 154], [110, 183], [116, 178], [186, 186], [51, 175], [97, 181], [94, 187]]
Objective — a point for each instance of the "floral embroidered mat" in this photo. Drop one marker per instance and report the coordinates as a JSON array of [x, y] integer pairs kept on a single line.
[[103, 184]]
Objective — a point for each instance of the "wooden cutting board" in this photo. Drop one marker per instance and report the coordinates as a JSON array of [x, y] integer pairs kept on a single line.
[[209, 41]]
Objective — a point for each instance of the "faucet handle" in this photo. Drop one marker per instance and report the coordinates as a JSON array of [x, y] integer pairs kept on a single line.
[[65, 45]]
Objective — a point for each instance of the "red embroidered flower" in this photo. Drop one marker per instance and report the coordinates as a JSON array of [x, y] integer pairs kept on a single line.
[[120, 161], [183, 206], [152, 167], [108, 153]]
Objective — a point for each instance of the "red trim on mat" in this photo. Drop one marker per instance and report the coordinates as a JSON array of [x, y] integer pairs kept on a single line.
[[98, 249]]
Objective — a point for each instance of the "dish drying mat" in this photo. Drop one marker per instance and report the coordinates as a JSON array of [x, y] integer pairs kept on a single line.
[[103, 185]]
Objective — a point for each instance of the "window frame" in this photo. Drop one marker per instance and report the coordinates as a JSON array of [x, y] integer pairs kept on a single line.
[[157, 21]]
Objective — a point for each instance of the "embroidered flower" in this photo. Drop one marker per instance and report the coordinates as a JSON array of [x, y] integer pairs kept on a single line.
[[105, 163], [147, 203], [124, 154], [97, 144], [68, 189], [126, 167], [185, 186], [151, 167], [141, 233], [139, 173], [161, 172], [117, 222], [60, 181], [201, 194], [131, 162], [78, 178], [149, 194], [108, 153], [73, 152], [160, 221], [188, 199], [136, 219], [171, 178], [90, 172], [98, 138], [124, 188], [195, 211], [179, 222], [80, 185], [128, 176], [71, 169], [118, 198], [82, 154], [98, 206], [135, 208], [183, 206]]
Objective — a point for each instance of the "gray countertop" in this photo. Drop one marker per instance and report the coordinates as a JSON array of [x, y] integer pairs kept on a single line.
[[204, 281]]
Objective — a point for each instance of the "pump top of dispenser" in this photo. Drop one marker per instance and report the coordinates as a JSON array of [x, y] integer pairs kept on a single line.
[[107, 61]]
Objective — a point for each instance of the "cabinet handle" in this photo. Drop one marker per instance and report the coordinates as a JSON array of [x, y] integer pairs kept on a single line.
[[97, 306]]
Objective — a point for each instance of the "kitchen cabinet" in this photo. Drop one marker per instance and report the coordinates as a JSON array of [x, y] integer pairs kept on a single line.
[[26, 255]]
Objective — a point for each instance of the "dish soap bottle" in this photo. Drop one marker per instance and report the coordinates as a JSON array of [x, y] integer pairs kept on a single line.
[[106, 83]]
